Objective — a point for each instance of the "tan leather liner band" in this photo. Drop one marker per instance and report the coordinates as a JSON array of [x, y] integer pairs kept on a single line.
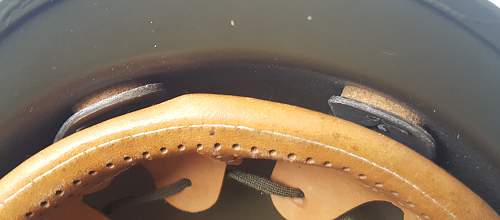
[[226, 127]]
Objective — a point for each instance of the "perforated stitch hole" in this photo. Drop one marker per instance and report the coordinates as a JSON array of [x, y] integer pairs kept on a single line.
[[92, 172], [181, 147], [236, 147], [379, 185], [362, 176], [273, 153], [425, 216], [254, 150], [146, 155], [291, 156], [310, 160], [110, 165], [327, 164], [127, 158], [44, 204], [59, 192], [346, 169], [77, 182], [217, 146], [163, 150], [29, 214], [199, 147]]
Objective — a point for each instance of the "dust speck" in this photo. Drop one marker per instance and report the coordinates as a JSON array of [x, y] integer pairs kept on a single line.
[[309, 18], [232, 23]]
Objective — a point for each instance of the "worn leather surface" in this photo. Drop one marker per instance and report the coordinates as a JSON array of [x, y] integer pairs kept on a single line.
[[381, 101], [228, 127]]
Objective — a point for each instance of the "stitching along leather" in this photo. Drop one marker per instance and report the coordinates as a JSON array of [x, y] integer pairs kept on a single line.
[[236, 127]]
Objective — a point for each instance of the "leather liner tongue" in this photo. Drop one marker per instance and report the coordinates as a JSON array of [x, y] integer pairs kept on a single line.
[[328, 193], [205, 173]]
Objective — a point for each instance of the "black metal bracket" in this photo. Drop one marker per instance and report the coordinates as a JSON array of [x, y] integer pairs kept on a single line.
[[105, 105], [384, 122]]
